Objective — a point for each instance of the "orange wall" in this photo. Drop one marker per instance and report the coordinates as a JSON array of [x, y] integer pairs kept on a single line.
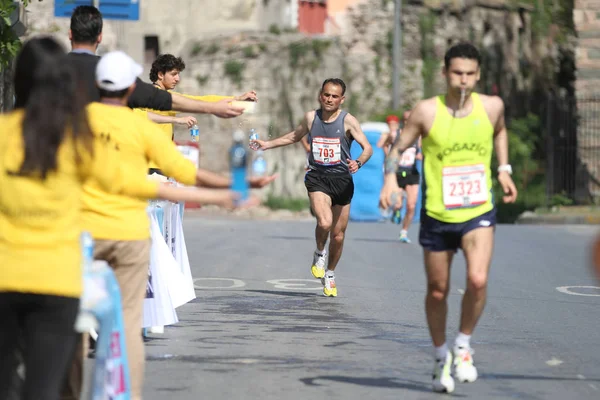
[[335, 6]]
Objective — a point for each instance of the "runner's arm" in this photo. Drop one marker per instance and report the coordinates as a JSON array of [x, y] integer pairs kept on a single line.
[[287, 139], [358, 135], [500, 134], [305, 143]]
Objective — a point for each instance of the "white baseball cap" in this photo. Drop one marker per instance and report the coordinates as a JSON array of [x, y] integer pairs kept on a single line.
[[117, 71]]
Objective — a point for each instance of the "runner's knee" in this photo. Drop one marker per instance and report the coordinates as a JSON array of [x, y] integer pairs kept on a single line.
[[477, 281], [437, 290], [324, 223], [338, 236]]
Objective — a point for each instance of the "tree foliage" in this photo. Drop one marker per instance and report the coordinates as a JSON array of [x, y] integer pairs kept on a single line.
[[9, 42]]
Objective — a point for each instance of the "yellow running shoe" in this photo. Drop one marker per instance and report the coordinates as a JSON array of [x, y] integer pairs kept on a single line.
[[318, 265], [329, 288]]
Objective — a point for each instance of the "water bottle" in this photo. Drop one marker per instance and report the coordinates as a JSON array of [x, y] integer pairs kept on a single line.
[[87, 247], [253, 136], [259, 166], [238, 163], [387, 213], [86, 321], [195, 133]]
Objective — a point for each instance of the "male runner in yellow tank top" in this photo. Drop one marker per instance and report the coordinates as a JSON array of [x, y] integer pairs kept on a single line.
[[459, 132]]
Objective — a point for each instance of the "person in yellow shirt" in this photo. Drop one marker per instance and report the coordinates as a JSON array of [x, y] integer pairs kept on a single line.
[[47, 153], [460, 130], [165, 75], [120, 225]]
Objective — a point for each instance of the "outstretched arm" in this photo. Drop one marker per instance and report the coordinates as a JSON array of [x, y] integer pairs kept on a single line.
[[221, 109], [287, 139], [189, 121]]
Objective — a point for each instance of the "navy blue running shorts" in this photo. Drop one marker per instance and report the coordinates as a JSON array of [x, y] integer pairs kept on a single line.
[[436, 235]]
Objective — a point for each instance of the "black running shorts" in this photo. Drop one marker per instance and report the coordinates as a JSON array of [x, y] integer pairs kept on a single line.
[[340, 187], [407, 177]]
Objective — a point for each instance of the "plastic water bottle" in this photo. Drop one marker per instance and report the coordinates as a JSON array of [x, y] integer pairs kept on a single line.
[[86, 321], [259, 166], [253, 136], [238, 162], [388, 212], [87, 247], [195, 133]]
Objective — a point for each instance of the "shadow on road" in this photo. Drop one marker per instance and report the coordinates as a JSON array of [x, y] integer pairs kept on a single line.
[[282, 293], [518, 377], [384, 382]]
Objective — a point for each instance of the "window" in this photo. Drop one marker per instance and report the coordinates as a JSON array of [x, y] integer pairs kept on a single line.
[[151, 49]]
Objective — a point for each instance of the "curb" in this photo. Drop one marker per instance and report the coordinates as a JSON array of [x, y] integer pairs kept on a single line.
[[558, 220]]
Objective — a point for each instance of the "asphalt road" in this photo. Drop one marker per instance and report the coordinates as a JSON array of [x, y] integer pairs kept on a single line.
[[260, 328]]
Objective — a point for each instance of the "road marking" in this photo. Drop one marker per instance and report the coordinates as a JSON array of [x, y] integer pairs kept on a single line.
[[461, 291], [554, 362], [593, 386], [581, 377], [569, 290], [282, 284], [236, 283]]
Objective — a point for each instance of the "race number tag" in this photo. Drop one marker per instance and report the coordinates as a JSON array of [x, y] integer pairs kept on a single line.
[[326, 151], [408, 157], [464, 186]]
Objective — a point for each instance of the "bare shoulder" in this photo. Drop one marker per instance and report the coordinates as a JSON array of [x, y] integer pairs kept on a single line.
[[351, 120], [309, 117], [493, 105], [423, 115], [424, 110]]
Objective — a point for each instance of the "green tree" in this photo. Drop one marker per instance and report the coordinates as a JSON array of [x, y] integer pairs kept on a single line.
[[9, 42]]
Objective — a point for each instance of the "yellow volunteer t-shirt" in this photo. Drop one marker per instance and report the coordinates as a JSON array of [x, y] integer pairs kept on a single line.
[[137, 141], [40, 221]]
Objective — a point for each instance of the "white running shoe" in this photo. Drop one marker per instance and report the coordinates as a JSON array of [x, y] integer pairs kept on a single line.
[[329, 288], [318, 265], [464, 370], [442, 377]]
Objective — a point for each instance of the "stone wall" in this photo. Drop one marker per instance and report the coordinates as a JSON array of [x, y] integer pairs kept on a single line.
[[287, 69], [587, 22], [239, 54]]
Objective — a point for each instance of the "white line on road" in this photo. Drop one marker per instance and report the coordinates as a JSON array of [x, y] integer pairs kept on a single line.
[[554, 362], [569, 290]]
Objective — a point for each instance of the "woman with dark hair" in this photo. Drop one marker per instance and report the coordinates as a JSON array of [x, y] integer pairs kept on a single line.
[[47, 153], [45, 145]]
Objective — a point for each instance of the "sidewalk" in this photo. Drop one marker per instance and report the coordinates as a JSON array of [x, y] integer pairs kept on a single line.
[[566, 215]]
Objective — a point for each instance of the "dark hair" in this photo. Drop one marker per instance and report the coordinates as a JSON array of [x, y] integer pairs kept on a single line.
[[86, 24], [165, 63], [462, 50], [110, 94], [46, 87], [335, 81]]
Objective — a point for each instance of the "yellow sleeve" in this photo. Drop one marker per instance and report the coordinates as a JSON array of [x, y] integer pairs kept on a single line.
[[106, 168], [143, 112], [209, 98], [163, 152]]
